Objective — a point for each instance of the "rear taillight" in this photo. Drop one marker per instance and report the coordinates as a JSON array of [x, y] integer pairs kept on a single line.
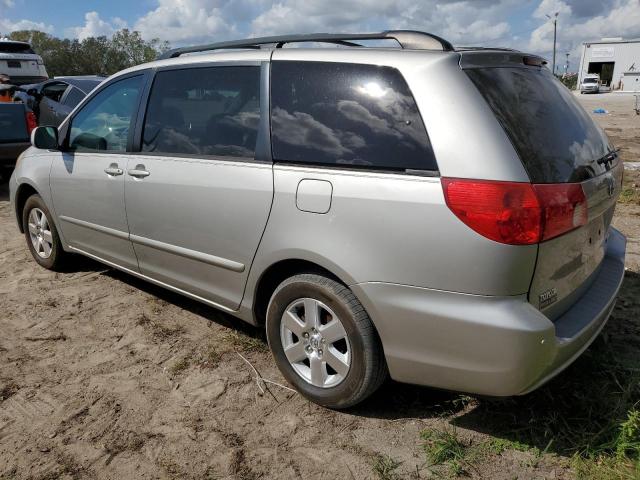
[[32, 123], [516, 213], [564, 208]]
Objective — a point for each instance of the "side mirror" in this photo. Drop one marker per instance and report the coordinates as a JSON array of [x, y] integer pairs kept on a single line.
[[45, 138]]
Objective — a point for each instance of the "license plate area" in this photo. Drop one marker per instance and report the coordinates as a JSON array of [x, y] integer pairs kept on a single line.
[[14, 64]]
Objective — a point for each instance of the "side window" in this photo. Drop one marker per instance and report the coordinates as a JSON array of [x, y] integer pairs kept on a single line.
[[54, 91], [204, 111], [73, 98], [338, 113], [103, 123]]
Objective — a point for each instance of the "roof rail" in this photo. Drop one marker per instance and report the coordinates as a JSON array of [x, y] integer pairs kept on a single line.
[[406, 38]]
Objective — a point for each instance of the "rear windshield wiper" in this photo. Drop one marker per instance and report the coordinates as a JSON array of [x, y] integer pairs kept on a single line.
[[608, 158]]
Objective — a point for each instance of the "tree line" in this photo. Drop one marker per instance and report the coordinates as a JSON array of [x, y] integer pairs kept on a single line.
[[93, 55]]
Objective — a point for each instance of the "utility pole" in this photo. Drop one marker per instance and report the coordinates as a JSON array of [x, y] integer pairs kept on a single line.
[[555, 27], [566, 65]]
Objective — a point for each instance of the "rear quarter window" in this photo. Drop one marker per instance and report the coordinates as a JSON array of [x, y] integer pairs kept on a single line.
[[348, 115]]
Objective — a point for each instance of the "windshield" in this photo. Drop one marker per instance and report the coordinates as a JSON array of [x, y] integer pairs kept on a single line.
[[555, 138], [12, 47], [590, 80]]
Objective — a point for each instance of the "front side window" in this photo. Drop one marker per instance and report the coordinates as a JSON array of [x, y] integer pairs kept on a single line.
[[346, 114], [204, 111], [104, 122]]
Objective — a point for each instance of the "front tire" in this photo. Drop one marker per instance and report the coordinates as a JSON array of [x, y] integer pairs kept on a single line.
[[41, 234], [324, 342]]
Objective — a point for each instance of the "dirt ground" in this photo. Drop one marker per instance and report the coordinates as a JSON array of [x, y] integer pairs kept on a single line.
[[104, 376]]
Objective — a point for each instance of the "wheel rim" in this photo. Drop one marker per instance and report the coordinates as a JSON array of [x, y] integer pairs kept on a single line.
[[315, 343], [40, 233]]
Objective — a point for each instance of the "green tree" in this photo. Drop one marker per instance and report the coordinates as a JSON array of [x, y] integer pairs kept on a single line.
[[93, 55]]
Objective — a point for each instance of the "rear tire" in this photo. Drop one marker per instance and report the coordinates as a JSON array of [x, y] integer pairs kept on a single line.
[[41, 235], [334, 355]]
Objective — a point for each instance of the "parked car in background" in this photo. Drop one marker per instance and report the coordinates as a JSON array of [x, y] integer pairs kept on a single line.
[[56, 98], [21, 63], [590, 84], [440, 215], [17, 121]]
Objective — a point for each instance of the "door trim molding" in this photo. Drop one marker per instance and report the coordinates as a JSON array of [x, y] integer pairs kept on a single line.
[[165, 247], [153, 280], [188, 253], [98, 228]]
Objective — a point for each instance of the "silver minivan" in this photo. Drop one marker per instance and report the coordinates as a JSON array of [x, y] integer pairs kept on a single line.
[[434, 214]]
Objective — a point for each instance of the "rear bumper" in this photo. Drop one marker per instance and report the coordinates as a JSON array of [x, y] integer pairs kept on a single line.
[[9, 152], [499, 346]]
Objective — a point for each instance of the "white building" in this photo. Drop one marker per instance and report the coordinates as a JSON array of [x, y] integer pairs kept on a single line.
[[616, 60]]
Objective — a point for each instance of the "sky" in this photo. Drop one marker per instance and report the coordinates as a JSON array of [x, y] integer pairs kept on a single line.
[[517, 24]]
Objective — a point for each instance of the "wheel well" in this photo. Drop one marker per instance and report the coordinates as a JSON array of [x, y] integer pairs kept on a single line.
[[275, 275], [24, 191]]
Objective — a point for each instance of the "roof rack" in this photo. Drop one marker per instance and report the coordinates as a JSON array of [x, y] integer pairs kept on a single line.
[[406, 38]]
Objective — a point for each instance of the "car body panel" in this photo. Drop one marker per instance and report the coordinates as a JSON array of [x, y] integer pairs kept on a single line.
[[369, 218]]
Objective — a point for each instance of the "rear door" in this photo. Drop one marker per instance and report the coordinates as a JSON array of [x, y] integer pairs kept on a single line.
[[199, 191], [558, 143]]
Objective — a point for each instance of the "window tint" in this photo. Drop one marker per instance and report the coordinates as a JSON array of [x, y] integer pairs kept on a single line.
[[555, 138], [9, 47], [73, 98], [103, 123], [204, 111], [336, 113], [54, 91]]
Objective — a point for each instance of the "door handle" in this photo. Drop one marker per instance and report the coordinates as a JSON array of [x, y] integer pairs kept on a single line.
[[113, 170], [138, 172]]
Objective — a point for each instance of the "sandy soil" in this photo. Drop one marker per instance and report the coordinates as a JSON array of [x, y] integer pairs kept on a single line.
[[104, 376]]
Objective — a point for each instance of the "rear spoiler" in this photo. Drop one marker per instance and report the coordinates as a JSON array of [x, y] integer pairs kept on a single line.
[[499, 58]]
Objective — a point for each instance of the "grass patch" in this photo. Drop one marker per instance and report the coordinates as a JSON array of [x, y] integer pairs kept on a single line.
[[630, 193], [180, 366], [210, 358], [501, 445], [245, 343], [158, 329], [443, 447], [384, 467]]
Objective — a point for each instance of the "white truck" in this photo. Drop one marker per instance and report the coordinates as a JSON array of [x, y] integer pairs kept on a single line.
[[590, 83], [21, 63]]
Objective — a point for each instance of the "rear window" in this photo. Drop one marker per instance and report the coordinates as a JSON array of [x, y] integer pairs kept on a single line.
[[10, 47], [344, 114], [555, 138]]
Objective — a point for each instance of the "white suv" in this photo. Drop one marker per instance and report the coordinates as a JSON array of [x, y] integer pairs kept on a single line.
[[21, 63]]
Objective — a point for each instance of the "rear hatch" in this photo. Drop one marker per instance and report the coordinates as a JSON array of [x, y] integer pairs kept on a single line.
[[558, 143]]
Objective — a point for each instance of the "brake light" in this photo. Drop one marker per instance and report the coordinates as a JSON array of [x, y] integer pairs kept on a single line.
[[564, 208], [32, 123], [516, 213]]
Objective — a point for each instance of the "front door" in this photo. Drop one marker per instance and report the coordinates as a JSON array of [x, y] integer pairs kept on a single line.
[[197, 200], [88, 178]]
